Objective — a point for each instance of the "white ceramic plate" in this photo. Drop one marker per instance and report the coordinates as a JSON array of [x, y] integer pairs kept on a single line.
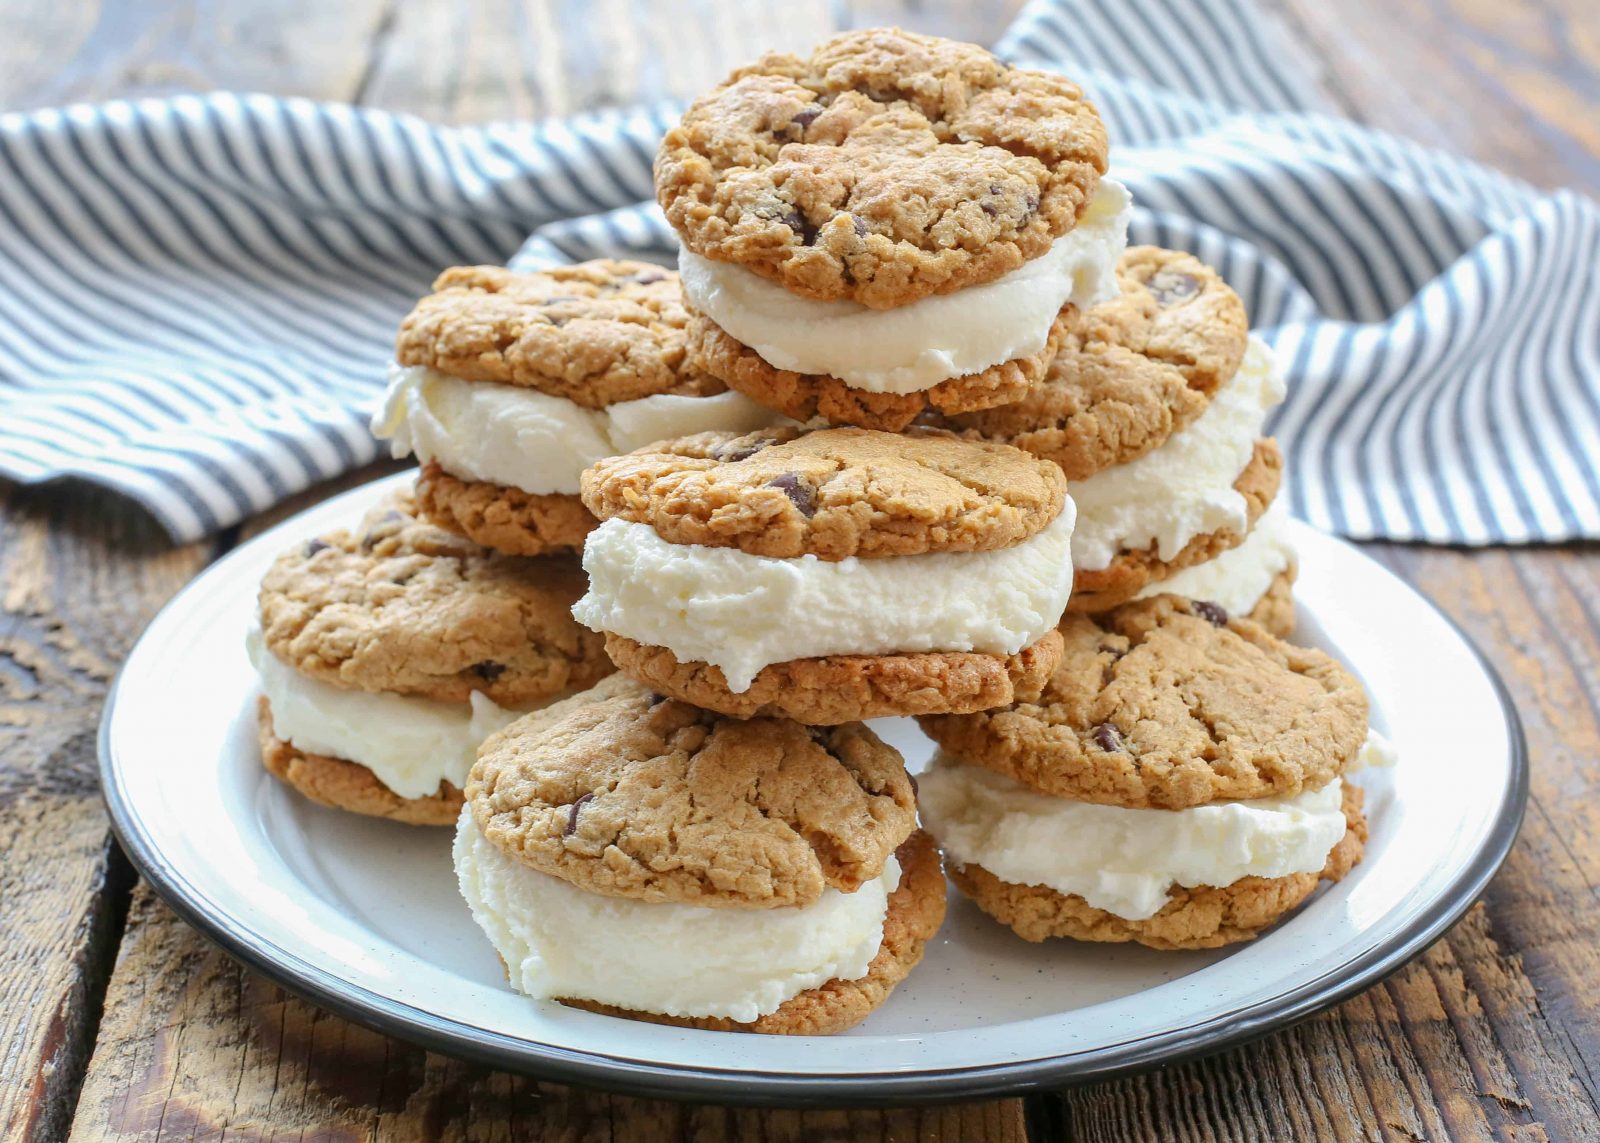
[[363, 917]]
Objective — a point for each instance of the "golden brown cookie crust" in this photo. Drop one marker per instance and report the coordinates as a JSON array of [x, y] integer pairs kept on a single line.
[[1156, 706], [1205, 917], [1129, 372], [399, 606], [832, 493], [1275, 609], [807, 395], [506, 519], [844, 688], [626, 793], [885, 168], [350, 786], [595, 333], [916, 910], [1129, 573]]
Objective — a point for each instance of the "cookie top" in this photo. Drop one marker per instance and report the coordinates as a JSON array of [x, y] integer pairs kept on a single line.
[[399, 606], [595, 333], [1166, 703], [886, 167], [1130, 372], [622, 792], [831, 493]]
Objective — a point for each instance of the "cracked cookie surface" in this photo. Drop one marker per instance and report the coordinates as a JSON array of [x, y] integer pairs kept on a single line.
[[1129, 372], [596, 333], [622, 792], [1166, 703], [1204, 917], [886, 167], [399, 606], [832, 493]]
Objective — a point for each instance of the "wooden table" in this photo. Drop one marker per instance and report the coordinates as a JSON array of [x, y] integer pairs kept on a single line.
[[119, 1022]]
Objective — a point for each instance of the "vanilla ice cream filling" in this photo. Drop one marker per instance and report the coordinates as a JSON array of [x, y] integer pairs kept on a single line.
[[522, 438], [916, 346], [559, 941], [1183, 488], [1238, 578], [743, 612], [1123, 860], [410, 744]]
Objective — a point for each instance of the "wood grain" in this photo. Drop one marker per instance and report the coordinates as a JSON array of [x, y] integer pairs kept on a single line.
[[1515, 84], [457, 62], [79, 578], [193, 1046]]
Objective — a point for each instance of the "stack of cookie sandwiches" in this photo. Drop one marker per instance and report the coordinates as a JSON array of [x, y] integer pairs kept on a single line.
[[774, 868], [1154, 408], [508, 385], [386, 652], [894, 224], [1181, 782]]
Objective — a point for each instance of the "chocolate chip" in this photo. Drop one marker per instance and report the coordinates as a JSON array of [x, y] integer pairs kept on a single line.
[[799, 491], [488, 670], [1032, 202], [989, 208], [1108, 738], [1212, 613], [994, 188], [1172, 287], [796, 222], [314, 547], [860, 224], [806, 117], [740, 449], [572, 814]]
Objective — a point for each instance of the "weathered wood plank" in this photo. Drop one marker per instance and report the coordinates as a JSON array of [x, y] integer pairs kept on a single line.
[[55, 53], [1514, 84], [78, 578], [195, 1047]]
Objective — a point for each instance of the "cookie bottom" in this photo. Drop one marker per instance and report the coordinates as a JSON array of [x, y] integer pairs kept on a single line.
[[848, 688], [1204, 917], [916, 910], [506, 519], [805, 395], [1131, 572], [349, 786]]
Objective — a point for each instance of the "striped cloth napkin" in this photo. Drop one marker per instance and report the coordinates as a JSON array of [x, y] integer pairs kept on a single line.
[[198, 295]]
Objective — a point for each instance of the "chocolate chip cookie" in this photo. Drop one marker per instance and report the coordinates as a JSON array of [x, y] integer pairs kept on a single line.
[[1168, 703], [831, 493], [399, 606], [1129, 372], [885, 167]]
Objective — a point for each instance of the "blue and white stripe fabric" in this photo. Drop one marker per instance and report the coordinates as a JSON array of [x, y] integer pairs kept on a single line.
[[198, 295]]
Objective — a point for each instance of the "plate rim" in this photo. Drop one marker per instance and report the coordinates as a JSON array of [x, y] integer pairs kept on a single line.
[[766, 1088]]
